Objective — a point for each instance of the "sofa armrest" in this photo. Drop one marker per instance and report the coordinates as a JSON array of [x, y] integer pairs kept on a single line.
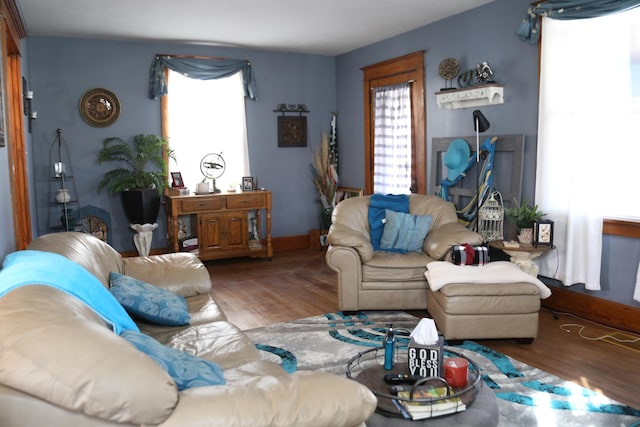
[[301, 399], [182, 272], [440, 240], [342, 235]]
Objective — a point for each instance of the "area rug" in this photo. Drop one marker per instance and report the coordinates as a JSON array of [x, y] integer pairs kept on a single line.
[[526, 395]]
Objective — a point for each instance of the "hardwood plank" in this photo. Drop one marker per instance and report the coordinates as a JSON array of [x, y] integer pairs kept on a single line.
[[298, 284]]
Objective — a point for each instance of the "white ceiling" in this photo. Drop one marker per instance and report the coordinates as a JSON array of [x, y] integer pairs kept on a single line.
[[328, 27]]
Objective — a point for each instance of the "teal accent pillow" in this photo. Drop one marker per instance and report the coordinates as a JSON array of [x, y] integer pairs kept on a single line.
[[186, 370], [404, 232], [378, 203], [148, 302]]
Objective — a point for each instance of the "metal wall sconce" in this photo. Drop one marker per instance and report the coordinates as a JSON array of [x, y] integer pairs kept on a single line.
[[28, 97]]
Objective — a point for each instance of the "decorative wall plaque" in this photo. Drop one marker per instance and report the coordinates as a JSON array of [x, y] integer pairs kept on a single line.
[[292, 131], [99, 107]]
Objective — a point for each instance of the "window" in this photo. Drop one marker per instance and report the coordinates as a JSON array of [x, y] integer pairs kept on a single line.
[[207, 116], [587, 144]]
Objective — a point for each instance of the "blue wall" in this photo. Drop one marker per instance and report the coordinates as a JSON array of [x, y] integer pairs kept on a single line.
[[61, 70]]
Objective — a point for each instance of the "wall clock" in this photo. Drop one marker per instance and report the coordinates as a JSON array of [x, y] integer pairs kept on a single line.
[[99, 107]]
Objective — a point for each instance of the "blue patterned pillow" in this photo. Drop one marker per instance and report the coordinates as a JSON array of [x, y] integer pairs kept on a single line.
[[149, 302], [404, 232], [186, 370]]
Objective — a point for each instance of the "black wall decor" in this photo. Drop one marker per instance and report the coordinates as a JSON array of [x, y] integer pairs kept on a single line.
[[292, 130]]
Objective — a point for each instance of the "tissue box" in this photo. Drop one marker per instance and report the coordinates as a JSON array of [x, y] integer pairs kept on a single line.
[[425, 360]]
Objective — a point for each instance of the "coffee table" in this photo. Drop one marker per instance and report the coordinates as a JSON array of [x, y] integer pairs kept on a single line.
[[367, 368]]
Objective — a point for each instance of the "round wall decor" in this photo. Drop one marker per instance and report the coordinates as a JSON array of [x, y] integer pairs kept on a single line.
[[99, 107]]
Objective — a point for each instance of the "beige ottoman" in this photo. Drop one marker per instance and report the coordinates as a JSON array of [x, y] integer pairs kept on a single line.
[[477, 311]]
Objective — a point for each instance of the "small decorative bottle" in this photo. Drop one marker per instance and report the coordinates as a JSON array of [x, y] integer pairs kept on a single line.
[[389, 342]]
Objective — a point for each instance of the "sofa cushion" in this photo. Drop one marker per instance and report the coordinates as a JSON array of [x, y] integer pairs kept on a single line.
[[55, 348], [202, 309], [96, 256], [186, 370], [404, 232], [149, 302], [181, 272], [46, 268], [395, 267]]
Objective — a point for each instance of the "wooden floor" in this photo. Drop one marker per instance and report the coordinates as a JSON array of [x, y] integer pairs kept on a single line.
[[298, 284]]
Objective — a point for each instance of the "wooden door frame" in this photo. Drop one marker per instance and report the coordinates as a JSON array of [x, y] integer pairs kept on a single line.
[[407, 68], [12, 30]]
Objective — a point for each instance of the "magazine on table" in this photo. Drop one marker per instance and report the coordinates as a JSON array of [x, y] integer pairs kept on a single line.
[[418, 410]]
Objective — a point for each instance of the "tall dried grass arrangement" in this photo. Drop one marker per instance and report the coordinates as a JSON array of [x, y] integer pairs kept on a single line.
[[325, 177]]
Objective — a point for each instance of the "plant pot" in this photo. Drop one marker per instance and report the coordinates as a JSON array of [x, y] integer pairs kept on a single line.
[[525, 236], [141, 206]]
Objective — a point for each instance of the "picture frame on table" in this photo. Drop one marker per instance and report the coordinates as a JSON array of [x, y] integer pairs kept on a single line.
[[343, 193], [177, 181], [543, 233], [248, 183]]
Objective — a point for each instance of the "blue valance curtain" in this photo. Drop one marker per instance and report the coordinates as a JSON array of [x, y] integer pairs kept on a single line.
[[202, 69], [529, 28]]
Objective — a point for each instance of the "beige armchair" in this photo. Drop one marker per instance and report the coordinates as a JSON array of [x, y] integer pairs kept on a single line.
[[378, 280]]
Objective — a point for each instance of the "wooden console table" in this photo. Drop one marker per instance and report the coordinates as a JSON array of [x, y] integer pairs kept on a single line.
[[222, 223]]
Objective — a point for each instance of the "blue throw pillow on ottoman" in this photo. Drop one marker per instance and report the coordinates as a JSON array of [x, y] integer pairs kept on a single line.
[[186, 370], [148, 302]]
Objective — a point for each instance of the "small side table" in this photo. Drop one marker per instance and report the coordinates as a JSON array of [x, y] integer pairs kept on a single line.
[[523, 255]]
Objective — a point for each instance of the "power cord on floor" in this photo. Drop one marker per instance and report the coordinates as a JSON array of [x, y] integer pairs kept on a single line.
[[566, 328]]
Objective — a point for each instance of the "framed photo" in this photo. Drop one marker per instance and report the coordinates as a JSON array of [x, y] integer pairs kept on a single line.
[[292, 131], [344, 193], [176, 178], [543, 233], [247, 183]]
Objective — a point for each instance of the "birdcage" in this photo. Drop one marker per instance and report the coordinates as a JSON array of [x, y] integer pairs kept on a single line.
[[491, 218]]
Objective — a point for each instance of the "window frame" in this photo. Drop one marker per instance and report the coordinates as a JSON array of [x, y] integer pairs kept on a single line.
[[407, 68]]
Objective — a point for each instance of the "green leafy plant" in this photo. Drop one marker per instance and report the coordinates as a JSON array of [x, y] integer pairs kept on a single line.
[[135, 157], [523, 214]]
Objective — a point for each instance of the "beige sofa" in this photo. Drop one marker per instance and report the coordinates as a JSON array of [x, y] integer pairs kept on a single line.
[[467, 309], [60, 365]]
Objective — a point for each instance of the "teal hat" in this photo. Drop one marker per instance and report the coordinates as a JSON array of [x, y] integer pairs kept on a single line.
[[456, 158]]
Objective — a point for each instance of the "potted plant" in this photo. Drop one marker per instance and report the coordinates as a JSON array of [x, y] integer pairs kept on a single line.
[[140, 189], [523, 215]]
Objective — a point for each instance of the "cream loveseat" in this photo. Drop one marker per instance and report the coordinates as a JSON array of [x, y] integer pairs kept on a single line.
[[61, 364], [495, 301]]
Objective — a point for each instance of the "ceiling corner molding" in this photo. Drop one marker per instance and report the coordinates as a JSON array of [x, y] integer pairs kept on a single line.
[[13, 15]]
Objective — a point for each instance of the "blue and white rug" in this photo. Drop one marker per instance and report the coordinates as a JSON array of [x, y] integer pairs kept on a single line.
[[527, 396]]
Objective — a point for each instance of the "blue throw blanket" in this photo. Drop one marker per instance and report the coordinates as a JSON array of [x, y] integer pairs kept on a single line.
[[46, 268], [377, 205]]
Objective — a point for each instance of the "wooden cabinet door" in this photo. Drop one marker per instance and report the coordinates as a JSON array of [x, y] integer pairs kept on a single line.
[[211, 232], [237, 231], [223, 232]]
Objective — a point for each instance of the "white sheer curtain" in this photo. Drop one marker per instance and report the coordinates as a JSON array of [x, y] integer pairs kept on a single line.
[[392, 140], [587, 137], [208, 116]]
